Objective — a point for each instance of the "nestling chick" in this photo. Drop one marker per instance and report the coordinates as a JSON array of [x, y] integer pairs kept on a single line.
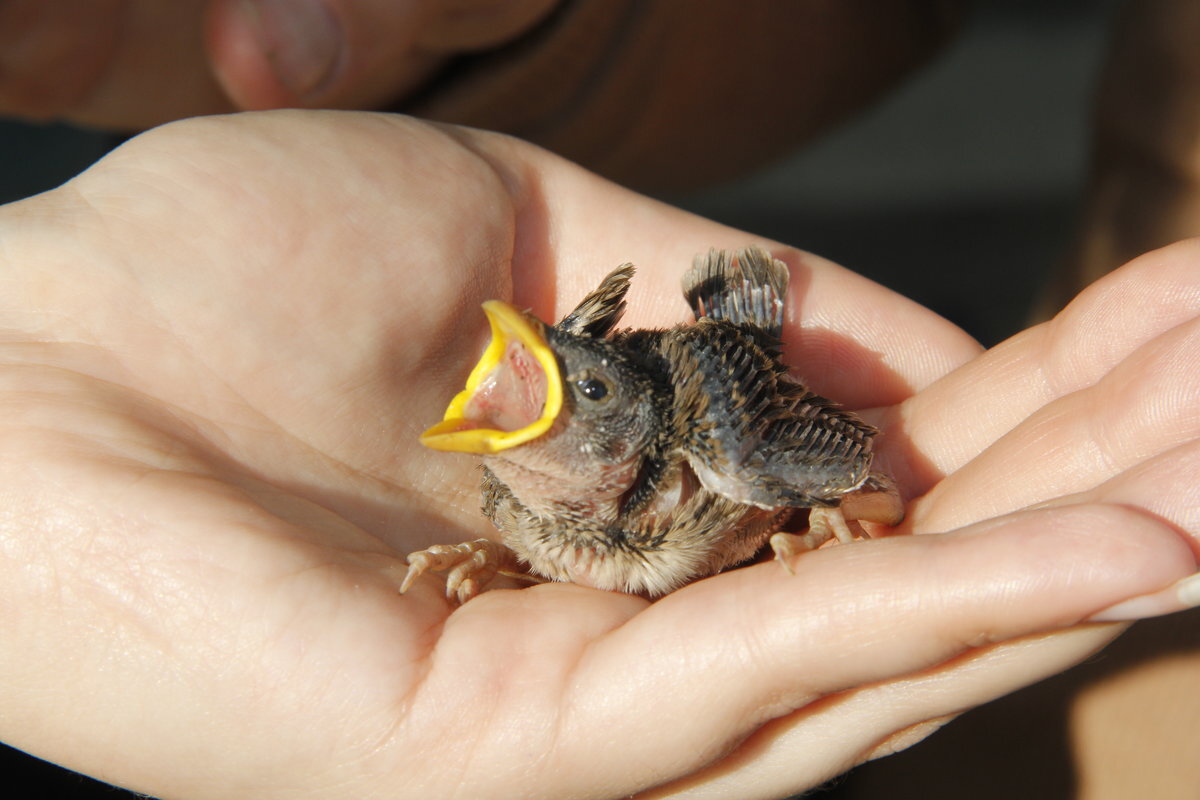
[[641, 460]]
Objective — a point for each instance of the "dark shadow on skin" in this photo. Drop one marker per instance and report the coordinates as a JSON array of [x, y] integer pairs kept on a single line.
[[534, 272], [883, 388], [531, 261], [895, 454], [862, 379]]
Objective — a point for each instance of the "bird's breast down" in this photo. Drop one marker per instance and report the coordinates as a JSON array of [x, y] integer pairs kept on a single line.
[[573, 489], [685, 532]]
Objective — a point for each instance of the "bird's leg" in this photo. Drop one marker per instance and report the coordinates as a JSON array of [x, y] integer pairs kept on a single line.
[[471, 565], [829, 522], [823, 524]]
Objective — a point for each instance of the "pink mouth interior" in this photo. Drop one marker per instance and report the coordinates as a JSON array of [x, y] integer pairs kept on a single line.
[[512, 395]]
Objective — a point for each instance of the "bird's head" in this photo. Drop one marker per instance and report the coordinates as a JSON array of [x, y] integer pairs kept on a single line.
[[564, 402]]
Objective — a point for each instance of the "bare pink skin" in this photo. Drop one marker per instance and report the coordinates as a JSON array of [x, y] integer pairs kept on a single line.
[[512, 394]]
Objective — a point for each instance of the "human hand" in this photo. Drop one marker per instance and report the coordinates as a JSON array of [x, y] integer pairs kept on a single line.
[[220, 346]]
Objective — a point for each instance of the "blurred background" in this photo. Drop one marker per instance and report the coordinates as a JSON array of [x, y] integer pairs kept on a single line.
[[959, 190], [971, 173]]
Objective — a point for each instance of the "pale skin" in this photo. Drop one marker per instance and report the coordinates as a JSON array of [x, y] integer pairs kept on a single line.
[[222, 342]]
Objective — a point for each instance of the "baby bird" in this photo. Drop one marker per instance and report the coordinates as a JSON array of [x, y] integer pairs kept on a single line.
[[641, 460]]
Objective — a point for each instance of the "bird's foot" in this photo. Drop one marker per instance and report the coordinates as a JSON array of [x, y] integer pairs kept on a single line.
[[827, 523], [471, 565], [876, 501], [823, 524]]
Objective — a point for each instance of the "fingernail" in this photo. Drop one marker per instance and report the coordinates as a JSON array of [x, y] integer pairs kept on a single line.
[[1182, 595], [301, 39]]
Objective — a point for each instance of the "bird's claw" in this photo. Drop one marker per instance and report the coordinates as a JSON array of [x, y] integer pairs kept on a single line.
[[827, 523], [787, 545], [471, 565]]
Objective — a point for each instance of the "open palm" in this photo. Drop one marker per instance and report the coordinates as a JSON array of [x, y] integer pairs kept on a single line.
[[220, 345]]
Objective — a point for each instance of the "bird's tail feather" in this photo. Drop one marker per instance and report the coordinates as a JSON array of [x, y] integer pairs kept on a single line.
[[744, 286]]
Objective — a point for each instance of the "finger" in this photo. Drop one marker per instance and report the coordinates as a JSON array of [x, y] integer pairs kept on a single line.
[[757, 645], [1147, 404], [348, 53], [794, 753], [957, 418], [1164, 486], [276, 54]]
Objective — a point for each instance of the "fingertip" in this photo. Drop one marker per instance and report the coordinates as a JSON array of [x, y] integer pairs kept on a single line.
[[1180, 596], [1058, 564], [239, 60], [317, 53]]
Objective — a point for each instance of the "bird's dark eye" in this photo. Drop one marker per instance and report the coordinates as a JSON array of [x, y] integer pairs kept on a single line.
[[593, 389]]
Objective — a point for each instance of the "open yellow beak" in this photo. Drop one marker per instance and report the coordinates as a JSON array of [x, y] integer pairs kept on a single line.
[[457, 432]]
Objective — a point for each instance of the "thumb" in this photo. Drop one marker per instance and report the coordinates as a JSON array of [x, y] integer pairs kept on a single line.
[[349, 53]]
